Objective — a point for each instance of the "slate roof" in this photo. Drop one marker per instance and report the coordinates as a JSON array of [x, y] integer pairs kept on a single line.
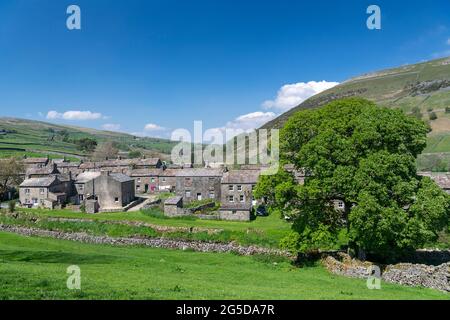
[[241, 176], [47, 170], [146, 172], [173, 200], [170, 172], [199, 172], [148, 162], [35, 160], [120, 177], [86, 177], [39, 182]]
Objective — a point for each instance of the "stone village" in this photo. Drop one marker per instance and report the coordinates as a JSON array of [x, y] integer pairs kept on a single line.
[[123, 184]]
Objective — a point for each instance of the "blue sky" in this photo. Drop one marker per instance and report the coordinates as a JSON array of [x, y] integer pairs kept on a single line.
[[161, 65]]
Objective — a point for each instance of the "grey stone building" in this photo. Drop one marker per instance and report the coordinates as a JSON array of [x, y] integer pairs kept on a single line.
[[35, 162], [168, 180], [237, 194], [111, 191], [442, 179], [47, 192], [198, 184], [146, 180], [173, 207], [237, 188], [41, 172]]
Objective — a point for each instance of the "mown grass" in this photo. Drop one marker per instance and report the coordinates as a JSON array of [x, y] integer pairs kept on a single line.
[[35, 268]]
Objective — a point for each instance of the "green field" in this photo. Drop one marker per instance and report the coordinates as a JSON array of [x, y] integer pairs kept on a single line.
[[263, 231], [35, 268], [36, 138]]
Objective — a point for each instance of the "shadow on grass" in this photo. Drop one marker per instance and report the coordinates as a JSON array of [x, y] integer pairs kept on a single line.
[[55, 257]]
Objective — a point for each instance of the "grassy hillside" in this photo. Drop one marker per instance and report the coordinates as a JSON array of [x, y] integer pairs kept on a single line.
[[424, 86], [35, 268], [36, 138]]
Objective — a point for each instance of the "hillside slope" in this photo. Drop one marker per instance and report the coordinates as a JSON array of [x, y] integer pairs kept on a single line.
[[423, 86], [36, 138]]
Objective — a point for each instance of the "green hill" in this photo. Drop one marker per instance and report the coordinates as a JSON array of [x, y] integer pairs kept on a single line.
[[35, 138], [421, 90]]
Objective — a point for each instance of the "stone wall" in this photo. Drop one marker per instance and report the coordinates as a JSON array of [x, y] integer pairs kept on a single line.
[[234, 215], [435, 277]]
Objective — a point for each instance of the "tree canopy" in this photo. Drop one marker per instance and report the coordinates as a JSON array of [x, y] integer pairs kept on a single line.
[[364, 156]]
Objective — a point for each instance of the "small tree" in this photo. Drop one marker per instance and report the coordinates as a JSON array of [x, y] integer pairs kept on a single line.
[[433, 116], [106, 150], [447, 109]]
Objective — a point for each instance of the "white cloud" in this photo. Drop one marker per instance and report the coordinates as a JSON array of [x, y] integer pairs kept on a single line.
[[241, 124], [74, 115], [111, 126], [153, 127], [291, 95]]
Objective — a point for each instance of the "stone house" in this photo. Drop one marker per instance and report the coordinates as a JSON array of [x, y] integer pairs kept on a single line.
[[35, 162], [148, 163], [235, 212], [198, 184], [173, 207], [47, 192], [111, 191], [146, 180], [168, 180], [66, 167], [237, 188], [41, 172]]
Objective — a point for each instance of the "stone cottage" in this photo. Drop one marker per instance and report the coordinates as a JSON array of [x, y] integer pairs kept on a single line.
[[173, 207], [47, 192], [35, 162], [146, 180], [111, 191], [198, 184], [237, 194], [41, 172]]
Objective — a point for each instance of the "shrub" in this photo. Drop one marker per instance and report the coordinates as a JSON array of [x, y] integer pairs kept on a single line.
[[12, 206], [433, 116], [447, 109]]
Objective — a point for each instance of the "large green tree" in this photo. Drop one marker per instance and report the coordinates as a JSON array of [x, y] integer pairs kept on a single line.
[[364, 156]]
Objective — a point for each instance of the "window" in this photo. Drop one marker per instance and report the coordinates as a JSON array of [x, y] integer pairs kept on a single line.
[[212, 195], [230, 198], [239, 188], [81, 187], [41, 191], [116, 199], [199, 196], [187, 179], [27, 191], [139, 179], [341, 205], [35, 201], [153, 180], [163, 179], [188, 194], [230, 187], [81, 197], [241, 198], [138, 187]]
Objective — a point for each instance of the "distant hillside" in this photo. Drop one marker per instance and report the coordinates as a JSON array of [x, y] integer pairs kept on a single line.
[[20, 137], [421, 89]]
